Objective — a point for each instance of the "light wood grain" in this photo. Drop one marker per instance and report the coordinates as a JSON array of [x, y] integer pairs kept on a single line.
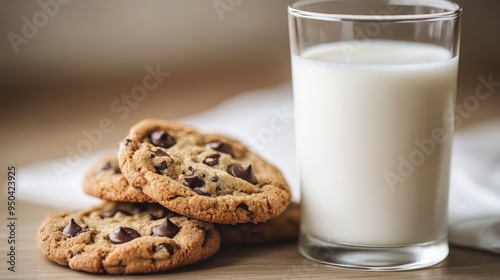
[[277, 261]]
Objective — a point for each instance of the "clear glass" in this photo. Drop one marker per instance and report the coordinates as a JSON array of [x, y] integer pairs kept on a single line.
[[374, 85]]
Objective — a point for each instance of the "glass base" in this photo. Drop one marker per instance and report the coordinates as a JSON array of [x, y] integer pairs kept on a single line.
[[374, 258]]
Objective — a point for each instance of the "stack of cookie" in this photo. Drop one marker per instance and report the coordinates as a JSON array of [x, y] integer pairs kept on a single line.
[[172, 196]]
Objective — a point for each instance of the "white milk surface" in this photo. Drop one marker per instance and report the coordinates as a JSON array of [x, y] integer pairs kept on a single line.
[[374, 131]]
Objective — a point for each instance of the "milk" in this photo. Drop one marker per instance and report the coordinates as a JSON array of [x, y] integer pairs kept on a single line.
[[374, 134]]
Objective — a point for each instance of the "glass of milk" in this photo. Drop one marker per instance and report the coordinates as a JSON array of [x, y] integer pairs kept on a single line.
[[374, 85]]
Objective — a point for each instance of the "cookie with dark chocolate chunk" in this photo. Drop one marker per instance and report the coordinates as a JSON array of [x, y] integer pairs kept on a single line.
[[105, 180], [125, 238], [206, 176]]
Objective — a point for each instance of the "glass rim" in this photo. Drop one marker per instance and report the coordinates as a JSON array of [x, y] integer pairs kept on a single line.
[[453, 10]]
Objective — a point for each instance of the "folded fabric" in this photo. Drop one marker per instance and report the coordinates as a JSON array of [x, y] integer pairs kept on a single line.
[[263, 120], [474, 211]]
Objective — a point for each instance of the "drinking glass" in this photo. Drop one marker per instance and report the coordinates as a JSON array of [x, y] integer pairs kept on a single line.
[[374, 86]]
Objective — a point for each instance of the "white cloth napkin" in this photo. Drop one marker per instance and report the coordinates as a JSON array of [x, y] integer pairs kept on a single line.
[[261, 119], [264, 121], [474, 211]]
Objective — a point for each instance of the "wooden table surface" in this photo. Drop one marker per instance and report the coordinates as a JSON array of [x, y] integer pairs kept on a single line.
[[40, 127], [278, 261]]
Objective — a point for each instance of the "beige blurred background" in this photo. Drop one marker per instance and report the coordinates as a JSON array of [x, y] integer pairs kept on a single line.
[[103, 39], [84, 55]]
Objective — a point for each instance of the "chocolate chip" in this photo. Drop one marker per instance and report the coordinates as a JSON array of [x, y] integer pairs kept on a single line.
[[194, 181], [158, 153], [242, 172], [200, 192], [243, 206], [72, 229], [212, 160], [246, 208], [122, 235], [167, 228], [108, 166], [160, 167], [162, 139], [164, 246], [221, 147], [214, 178], [125, 141], [112, 212]]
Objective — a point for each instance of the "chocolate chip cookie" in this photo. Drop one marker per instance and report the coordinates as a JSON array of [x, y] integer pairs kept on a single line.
[[105, 180], [206, 176], [125, 238], [285, 227]]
